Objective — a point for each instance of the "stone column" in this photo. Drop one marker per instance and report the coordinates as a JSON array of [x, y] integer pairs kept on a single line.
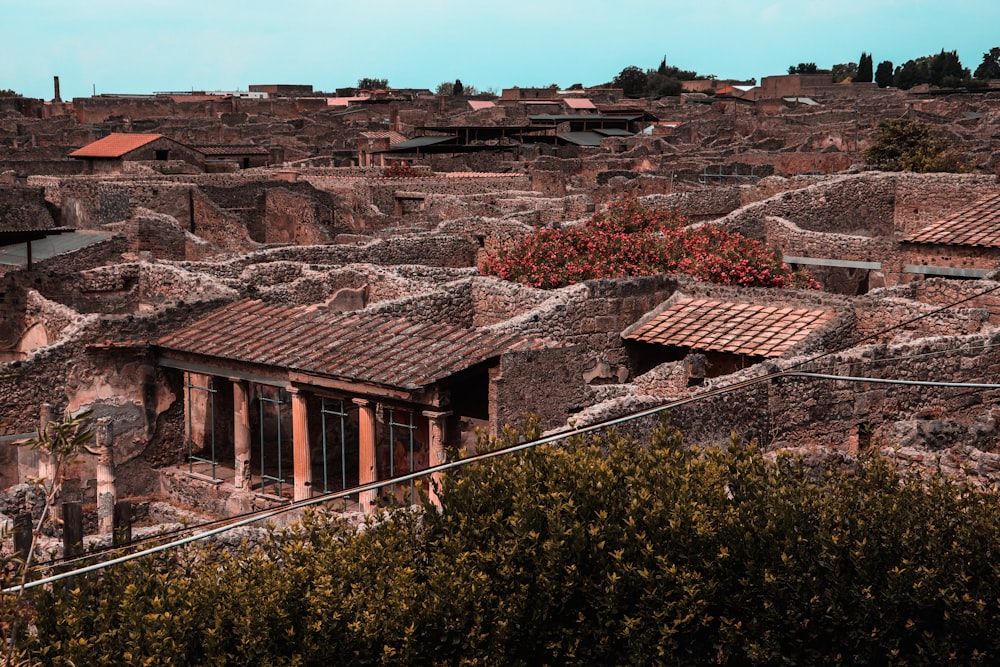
[[436, 456], [107, 496], [302, 462], [241, 434], [46, 464], [366, 452]]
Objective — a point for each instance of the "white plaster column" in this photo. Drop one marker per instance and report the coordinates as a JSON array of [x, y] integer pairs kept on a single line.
[[436, 455], [107, 495], [241, 434], [366, 452], [301, 456]]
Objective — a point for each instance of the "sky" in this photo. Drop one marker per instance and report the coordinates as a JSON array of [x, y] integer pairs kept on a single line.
[[146, 46]]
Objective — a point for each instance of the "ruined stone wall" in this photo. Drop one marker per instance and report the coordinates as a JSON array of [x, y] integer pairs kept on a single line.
[[382, 192], [852, 205], [547, 382], [453, 306], [24, 208], [30, 167], [290, 217], [923, 199]]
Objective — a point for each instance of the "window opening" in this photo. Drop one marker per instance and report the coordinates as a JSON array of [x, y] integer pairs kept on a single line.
[[271, 406]]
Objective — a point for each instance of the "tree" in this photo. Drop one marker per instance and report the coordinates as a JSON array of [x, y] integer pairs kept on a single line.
[[9, 93], [803, 68], [457, 88], [883, 75], [912, 73], [661, 85], [990, 67], [445, 89], [865, 73], [601, 550], [945, 69], [368, 83], [845, 72], [631, 80], [903, 144]]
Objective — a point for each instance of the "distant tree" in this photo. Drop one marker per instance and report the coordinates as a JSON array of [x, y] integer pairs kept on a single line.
[[990, 67], [631, 80], [883, 75], [662, 85], [865, 73], [445, 89], [803, 68], [576, 86], [9, 93], [845, 72], [368, 83], [945, 69], [457, 88], [911, 73], [903, 144]]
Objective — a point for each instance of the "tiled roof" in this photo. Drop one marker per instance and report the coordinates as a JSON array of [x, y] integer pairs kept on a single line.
[[481, 104], [115, 145], [739, 328], [579, 103], [392, 136], [359, 347], [976, 225]]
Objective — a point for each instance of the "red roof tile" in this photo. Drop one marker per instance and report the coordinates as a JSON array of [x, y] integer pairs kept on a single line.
[[357, 347], [115, 145], [740, 328], [975, 225]]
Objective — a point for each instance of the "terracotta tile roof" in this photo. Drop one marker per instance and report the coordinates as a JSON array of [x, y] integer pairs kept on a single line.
[[360, 347], [739, 328], [975, 225], [478, 105], [579, 103], [115, 145], [392, 136]]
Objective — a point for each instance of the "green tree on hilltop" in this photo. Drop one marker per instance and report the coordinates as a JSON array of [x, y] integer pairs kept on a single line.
[[903, 144], [990, 67], [865, 73], [883, 75]]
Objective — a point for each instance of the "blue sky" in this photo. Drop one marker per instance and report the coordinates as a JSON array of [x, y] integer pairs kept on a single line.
[[142, 46]]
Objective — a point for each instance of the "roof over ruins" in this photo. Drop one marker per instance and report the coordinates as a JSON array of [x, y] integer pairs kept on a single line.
[[737, 328], [361, 347], [975, 225], [115, 145]]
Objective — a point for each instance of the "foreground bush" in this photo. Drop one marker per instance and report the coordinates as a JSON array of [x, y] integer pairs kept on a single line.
[[598, 553], [632, 239]]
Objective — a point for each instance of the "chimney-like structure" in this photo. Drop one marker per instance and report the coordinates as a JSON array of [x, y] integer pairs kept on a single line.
[[56, 98]]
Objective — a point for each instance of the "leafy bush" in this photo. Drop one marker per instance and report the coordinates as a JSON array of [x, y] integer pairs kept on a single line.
[[632, 239], [603, 551], [902, 144]]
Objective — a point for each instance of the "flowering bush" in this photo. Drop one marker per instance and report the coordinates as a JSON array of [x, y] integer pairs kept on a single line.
[[632, 239]]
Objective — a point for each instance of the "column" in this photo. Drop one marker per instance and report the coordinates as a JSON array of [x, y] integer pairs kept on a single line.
[[241, 434], [46, 464], [302, 463], [436, 456], [366, 452], [107, 495]]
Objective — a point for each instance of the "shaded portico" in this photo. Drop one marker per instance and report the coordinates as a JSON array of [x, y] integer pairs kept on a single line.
[[288, 401]]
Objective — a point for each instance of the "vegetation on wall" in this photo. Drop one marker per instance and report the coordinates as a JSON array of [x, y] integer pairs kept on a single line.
[[633, 239], [598, 552], [903, 144]]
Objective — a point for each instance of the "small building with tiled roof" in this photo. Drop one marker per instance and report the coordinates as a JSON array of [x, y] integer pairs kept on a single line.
[[345, 398], [730, 335], [373, 145], [966, 244], [108, 155], [243, 156]]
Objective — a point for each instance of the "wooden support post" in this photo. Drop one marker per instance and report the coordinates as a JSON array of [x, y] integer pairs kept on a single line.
[[301, 459], [241, 434], [72, 516], [122, 533], [366, 452], [23, 534]]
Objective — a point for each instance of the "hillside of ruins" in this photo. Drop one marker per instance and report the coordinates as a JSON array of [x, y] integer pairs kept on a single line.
[[267, 298]]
